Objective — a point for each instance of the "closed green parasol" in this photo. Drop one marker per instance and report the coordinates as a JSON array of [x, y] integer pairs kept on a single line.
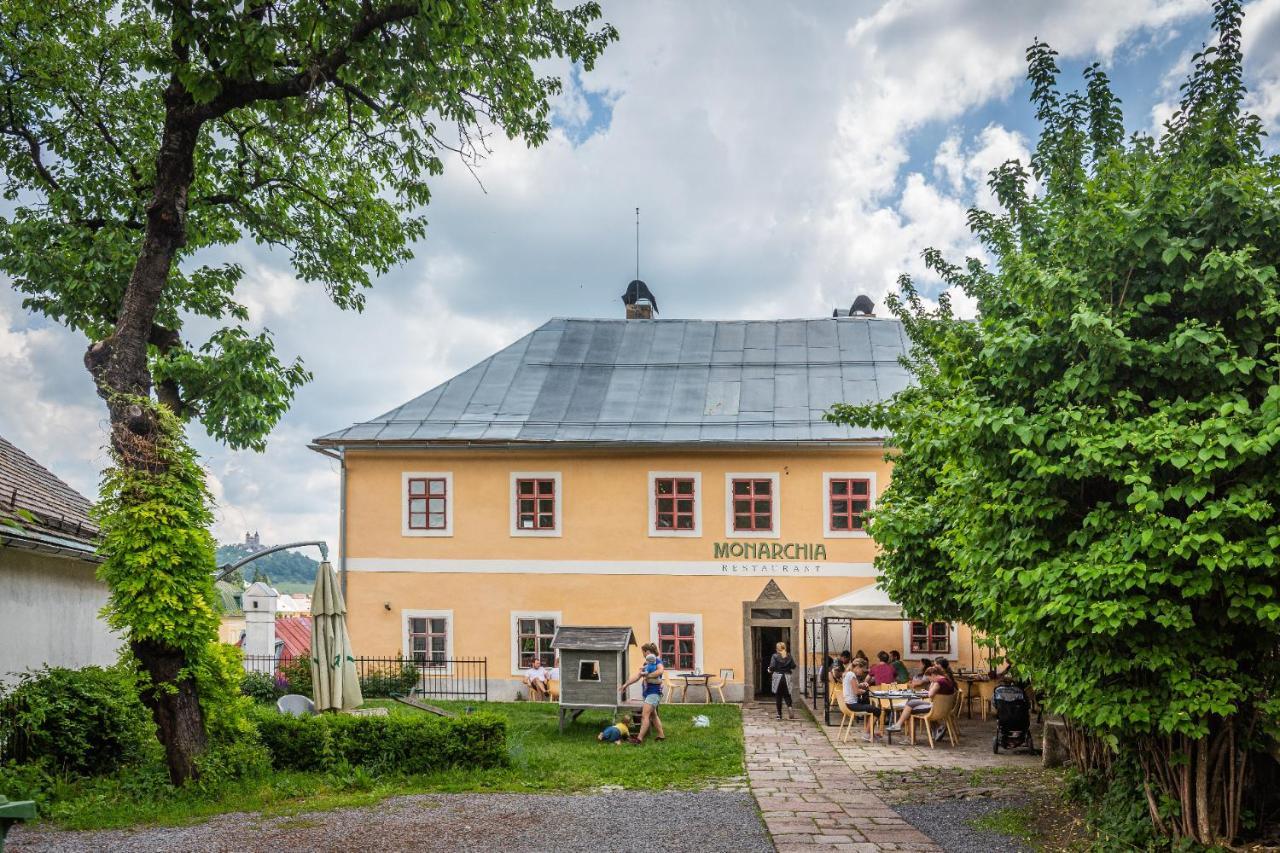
[[335, 685]]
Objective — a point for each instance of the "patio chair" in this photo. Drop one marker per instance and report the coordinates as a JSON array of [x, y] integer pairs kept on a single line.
[[962, 700], [848, 716], [941, 710], [296, 705], [985, 691], [718, 684]]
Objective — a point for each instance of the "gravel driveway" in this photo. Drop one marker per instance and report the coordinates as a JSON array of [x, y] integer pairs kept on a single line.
[[947, 822], [615, 821]]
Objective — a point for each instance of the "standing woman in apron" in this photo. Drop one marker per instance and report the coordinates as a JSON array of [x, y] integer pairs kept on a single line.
[[781, 665]]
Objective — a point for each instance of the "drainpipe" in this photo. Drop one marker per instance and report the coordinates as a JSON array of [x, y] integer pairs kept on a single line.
[[342, 522]]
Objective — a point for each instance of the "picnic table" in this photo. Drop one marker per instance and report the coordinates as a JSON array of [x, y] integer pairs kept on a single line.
[[890, 700]]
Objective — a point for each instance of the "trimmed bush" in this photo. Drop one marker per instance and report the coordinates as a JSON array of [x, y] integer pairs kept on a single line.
[[395, 743], [85, 721], [260, 687], [390, 680]]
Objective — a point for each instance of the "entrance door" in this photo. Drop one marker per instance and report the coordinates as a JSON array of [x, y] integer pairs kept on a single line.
[[764, 641]]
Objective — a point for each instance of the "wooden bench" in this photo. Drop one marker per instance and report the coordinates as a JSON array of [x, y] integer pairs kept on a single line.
[[12, 811]]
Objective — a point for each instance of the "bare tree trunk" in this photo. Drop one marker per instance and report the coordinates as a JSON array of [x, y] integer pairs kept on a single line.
[[120, 369]]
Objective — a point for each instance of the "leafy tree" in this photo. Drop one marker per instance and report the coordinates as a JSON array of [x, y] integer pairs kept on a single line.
[[137, 136], [1089, 472]]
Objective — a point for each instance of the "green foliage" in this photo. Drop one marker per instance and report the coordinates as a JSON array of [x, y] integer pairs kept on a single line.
[[260, 687], [405, 744], [297, 675], [82, 721], [1089, 472], [313, 128], [1115, 808], [392, 680], [218, 673], [157, 550]]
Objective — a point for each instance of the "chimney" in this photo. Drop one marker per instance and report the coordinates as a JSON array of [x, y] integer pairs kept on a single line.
[[640, 301]]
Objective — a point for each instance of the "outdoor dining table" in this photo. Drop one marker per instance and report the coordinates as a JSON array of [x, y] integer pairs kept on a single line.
[[695, 680], [890, 699]]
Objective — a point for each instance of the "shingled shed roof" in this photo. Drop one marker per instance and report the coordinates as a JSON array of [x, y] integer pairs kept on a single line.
[[38, 510], [593, 639], [657, 381]]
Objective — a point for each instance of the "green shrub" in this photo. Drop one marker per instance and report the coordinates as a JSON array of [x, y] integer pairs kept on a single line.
[[83, 721], [297, 674], [395, 680], [260, 687], [396, 744]]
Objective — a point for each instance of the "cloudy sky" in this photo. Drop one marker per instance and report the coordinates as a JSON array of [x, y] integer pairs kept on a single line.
[[785, 159]]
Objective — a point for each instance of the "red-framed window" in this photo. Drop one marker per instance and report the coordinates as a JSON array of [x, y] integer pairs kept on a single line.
[[849, 500], [429, 640], [753, 504], [930, 638], [673, 505], [536, 504], [676, 644], [428, 503], [535, 637]]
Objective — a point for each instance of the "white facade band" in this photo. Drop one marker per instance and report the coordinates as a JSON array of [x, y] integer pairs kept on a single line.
[[726, 568]]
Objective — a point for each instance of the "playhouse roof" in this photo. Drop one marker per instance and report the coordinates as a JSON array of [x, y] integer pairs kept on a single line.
[[593, 638]]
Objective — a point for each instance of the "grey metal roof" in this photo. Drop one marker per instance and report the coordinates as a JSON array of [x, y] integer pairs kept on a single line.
[[641, 381], [593, 639], [38, 510]]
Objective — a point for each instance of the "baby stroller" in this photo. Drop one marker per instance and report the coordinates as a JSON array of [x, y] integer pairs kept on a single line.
[[1013, 719]]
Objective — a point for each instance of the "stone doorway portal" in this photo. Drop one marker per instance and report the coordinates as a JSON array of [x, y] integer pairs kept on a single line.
[[770, 619]]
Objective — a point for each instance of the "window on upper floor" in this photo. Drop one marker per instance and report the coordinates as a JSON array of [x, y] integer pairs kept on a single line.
[[674, 503], [847, 501], [428, 502], [536, 504], [752, 504]]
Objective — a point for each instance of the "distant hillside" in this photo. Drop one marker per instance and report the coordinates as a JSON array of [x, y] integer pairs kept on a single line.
[[281, 567]]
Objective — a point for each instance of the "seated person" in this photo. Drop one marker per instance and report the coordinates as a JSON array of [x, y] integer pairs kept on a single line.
[[900, 668], [537, 676], [614, 734], [882, 671], [939, 684], [920, 680], [856, 681]]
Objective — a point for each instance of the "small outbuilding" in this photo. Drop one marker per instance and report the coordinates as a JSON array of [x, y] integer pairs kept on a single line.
[[593, 667]]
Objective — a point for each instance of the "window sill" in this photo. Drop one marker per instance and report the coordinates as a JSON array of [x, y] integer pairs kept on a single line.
[[426, 534], [536, 534]]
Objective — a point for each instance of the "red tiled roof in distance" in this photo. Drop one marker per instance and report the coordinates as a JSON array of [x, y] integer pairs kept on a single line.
[[295, 633]]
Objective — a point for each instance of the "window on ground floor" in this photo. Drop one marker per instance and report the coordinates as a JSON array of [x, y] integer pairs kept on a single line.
[[429, 640], [676, 644], [930, 638], [534, 637]]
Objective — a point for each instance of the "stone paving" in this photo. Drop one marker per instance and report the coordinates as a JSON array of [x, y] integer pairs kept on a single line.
[[810, 796]]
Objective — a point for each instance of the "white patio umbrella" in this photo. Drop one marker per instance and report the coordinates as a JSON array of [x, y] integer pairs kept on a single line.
[[334, 683]]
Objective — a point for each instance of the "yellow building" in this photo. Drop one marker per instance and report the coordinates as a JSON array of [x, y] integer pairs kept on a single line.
[[656, 474]]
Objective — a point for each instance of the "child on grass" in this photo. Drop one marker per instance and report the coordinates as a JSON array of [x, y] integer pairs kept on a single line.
[[614, 734]]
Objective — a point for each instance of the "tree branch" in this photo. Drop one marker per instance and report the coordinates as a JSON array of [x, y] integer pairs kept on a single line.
[[322, 69]]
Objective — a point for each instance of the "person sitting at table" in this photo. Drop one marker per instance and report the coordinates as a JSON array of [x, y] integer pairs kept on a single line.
[[882, 671], [903, 675], [920, 680], [860, 654], [946, 667], [537, 677], [939, 685]]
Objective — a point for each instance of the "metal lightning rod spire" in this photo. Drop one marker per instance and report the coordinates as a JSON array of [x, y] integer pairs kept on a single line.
[[637, 244]]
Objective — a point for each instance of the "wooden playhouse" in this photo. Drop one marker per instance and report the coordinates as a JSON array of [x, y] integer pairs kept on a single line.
[[593, 666]]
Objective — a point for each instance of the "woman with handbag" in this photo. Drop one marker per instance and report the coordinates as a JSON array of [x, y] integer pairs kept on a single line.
[[781, 665]]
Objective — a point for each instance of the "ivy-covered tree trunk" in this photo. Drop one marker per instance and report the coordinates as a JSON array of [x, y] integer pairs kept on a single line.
[[120, 369]]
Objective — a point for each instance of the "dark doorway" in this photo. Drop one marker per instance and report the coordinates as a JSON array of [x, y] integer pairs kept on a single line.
[[764, 641]]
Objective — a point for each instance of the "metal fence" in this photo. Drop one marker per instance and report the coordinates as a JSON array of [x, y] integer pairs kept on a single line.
[[14, 739], [452, 678]]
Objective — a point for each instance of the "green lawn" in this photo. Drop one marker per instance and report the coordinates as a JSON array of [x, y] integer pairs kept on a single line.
[[542, 760]]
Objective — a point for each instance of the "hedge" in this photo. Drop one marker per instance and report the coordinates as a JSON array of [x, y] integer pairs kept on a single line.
[[396, 743]]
